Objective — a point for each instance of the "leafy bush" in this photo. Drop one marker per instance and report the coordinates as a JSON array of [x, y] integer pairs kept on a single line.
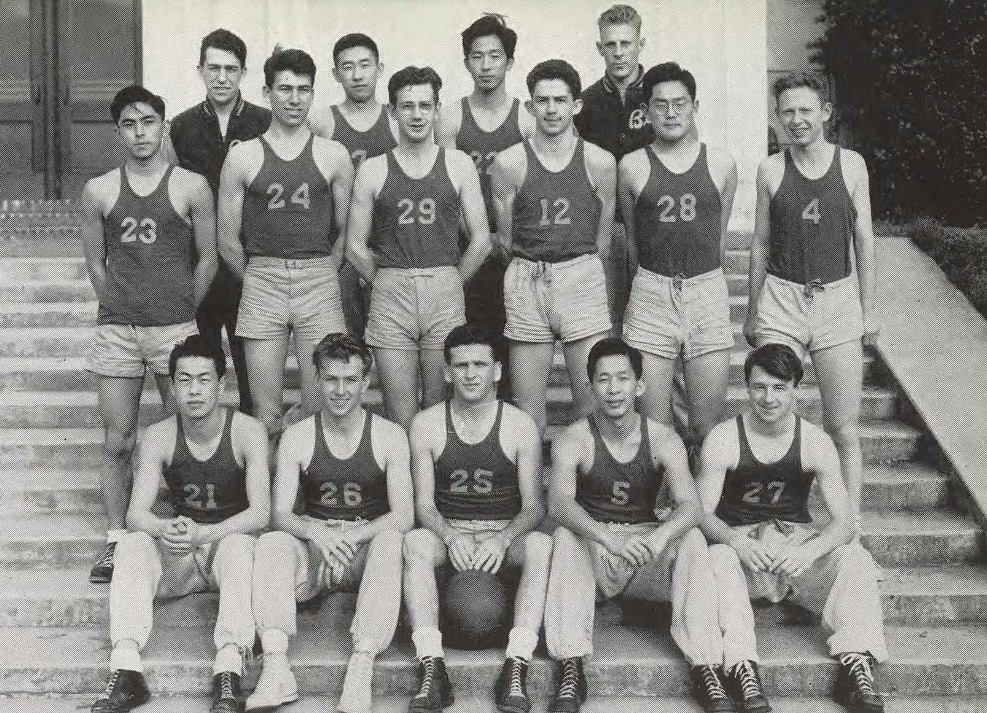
[[960, 252], [910, 79]]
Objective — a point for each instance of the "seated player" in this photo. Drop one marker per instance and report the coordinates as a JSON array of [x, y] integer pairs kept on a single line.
[[476, 463], [756, 472], [214, 461], [607, 470], [352, 467]]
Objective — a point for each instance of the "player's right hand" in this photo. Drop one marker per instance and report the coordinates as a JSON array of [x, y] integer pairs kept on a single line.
[[636, 552], [749, 326], [752, 553], [332, 544], [461, 551], [176, 538]]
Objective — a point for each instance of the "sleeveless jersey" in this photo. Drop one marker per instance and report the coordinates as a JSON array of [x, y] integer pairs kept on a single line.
[[354, 488], [208, 491], [556, 214], [754, 491], [677, 219], [288, 208], [811, 226], [416, 221], [483, 147], [149, 259], [476, 482], [375, 141], [611, 491]]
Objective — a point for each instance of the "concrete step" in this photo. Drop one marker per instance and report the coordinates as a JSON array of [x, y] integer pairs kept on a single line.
[[48, 314], [21, 269], [48, 290], [627, 662]]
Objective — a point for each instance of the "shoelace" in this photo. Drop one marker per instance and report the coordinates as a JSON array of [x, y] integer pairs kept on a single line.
[[570, 680], [749, 685], [714, 687], [860, 670], [428, 673], [112, 683], [226, 685], [516, 689], [107, 555]]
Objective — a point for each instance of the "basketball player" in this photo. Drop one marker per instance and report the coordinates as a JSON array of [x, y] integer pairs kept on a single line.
[[812, 282], [554, 196], [214, 461], [476, 463], [607, 470], [150, 243], [200, 137], [755, 477], [404, 240], [352, 468], [287, 193], [675, 197]]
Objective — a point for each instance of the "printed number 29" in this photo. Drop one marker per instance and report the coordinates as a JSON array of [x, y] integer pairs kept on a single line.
[[426, 211]]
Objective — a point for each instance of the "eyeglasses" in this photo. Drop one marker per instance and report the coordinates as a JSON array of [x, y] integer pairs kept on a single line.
[[678, 105], [215, 70]]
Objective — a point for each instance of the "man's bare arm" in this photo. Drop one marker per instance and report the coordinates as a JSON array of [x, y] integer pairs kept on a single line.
[[603, 169], [422, 437], [155, 446], [202, 213], [360, 220], [760, 245], [504, 191], [93, 240], [863, 231], [727, 194], [628, 172], [230, 209], [337, 168], [687, 512], [524, 433], [447, 124], [474, 213]]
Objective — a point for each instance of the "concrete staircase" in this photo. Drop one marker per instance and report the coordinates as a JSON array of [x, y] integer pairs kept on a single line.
[[53, 623]]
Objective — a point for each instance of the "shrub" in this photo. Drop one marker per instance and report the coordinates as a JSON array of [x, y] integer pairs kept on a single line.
[[960, 252]]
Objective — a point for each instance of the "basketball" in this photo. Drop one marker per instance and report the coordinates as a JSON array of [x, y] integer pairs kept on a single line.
[[475, 610]]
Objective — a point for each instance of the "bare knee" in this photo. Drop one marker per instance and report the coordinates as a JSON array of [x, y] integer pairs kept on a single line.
[[418, 547], [136, 543], [121, 444], [537, 548], [273, 546], [563, 539], [388, 541], [844, 435], [723, 558], [852, 555], [236, 547], [270, 415]]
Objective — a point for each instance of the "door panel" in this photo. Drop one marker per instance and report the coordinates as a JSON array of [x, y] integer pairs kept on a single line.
[[22, 145]]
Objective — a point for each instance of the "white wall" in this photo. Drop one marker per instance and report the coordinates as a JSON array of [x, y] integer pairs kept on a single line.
[[723, 42]]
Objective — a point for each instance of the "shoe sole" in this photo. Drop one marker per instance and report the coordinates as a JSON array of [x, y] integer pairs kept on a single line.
[[446, 702], [268, 707], [505, 708], [765, 709], [857, 709], [100, 580], [141, 702]]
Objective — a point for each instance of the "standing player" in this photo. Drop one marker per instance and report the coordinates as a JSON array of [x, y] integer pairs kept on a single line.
[[607, 470], [201, 136], [352, 467], [675, 197], [404, 239], [755, 478], [214, 461], [554, 196], [145, 223], [812, 223], [476, 462], [288, 193]]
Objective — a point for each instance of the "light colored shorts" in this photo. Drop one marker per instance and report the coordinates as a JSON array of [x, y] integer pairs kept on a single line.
[[565, 300], [314, 573], [124, 350], [809, 317], [414, 308], [480, 530], [281, 296], [667, 316]]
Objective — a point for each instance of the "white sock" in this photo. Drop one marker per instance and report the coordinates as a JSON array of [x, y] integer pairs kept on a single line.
[[229, 659], [115, 535], [521, 644], [127, 658], [274, 642], [428, 642]]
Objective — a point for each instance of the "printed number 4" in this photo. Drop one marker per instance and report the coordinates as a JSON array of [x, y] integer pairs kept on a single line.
[[276, 192], [811, 211]]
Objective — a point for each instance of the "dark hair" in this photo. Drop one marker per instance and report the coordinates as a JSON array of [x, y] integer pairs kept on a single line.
[[224, 40], [813, 80], [777, 360], [555, 69], [668, 72], [354, 39], [292, 60], [412, 76], [614, 347], [620, 15], [471, 334], [490, 24], [132, 95], [342, 347], [197, 345]]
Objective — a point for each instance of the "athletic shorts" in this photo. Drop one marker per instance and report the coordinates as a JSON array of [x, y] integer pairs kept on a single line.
[[282, 296], [546, 301], [414, 308], [669, 316], [480, 530], [809, 317], [125, 350]]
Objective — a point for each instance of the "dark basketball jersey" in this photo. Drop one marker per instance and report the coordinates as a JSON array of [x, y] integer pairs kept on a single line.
[[483, 147], [207, 491], [354, 488], [476, 482], [811, 226], [375, 141], [416, 220], [620, 492], [556, 214], [677, 219], [288, 208], [149, 259], [754, 491]]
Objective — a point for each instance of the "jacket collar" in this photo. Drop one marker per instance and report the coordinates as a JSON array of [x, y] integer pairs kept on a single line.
[[609, 85], [237, 110]]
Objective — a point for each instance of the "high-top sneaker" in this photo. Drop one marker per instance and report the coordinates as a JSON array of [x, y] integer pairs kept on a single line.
[[744, 682], [571, 691], [125, 690], [227, 696], [510, 691], [708, 690], [102, 571], [854, 687], [435, 692]]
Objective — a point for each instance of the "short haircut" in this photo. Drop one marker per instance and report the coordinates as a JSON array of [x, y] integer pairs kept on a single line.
[[471, 334], [614, 347], [224, 40], [342, 347], [412, 76], [620, 15], [354, 39], [490, 24], [555, 69], [668, 72], [777, 360], [133, 95], [197, 345], [292, 60], [813, 80]]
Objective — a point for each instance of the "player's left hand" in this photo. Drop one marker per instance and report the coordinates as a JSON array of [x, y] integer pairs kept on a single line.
[[489, 554], [795, 560], [636, 551], [194, 530]]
